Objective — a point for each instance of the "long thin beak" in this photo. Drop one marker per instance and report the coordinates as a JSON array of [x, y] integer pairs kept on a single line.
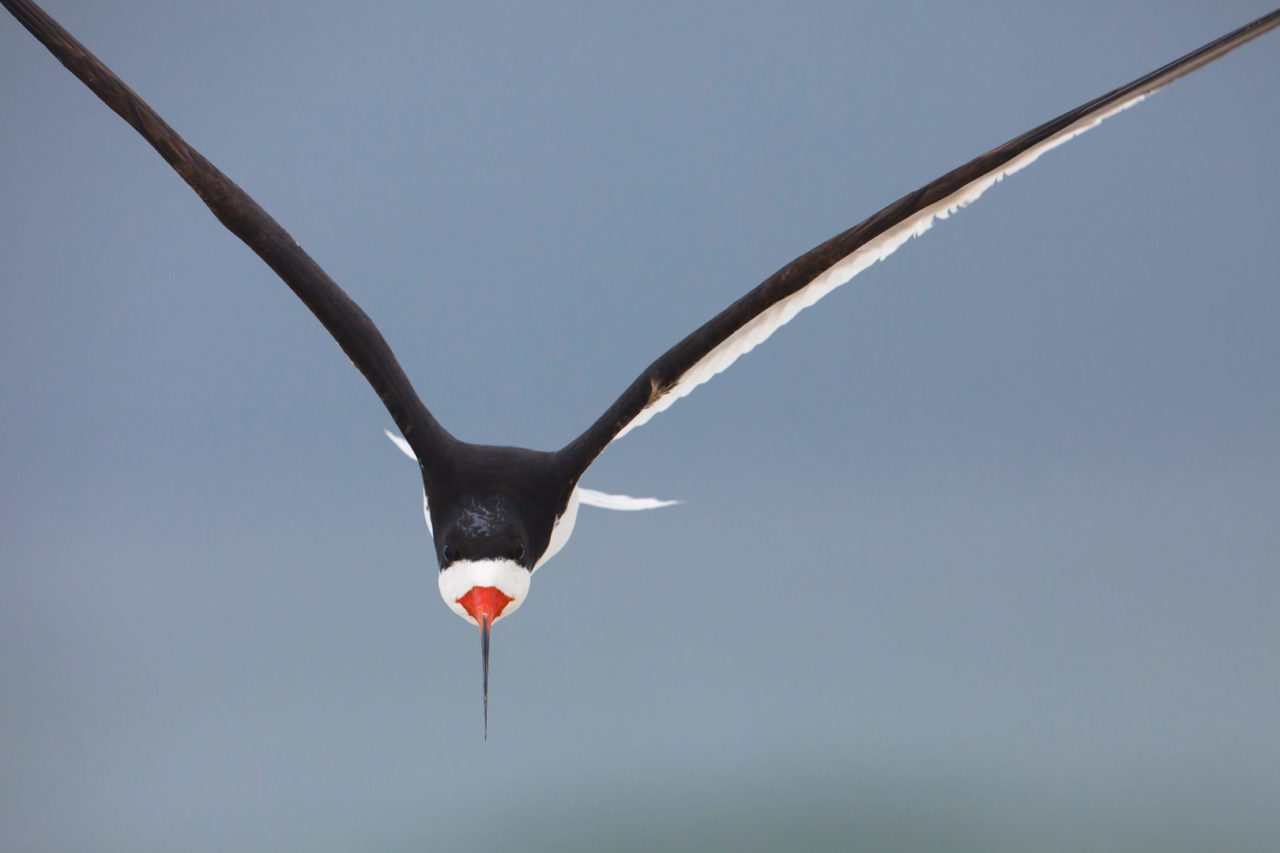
[[485, 604], [484, 655]]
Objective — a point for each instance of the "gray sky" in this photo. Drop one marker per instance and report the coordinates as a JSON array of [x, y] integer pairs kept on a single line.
[[981, 551]]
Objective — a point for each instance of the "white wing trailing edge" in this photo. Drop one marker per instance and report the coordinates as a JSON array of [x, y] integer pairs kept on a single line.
[[399, 442], [624, 503], [754, 317], [760, 328]]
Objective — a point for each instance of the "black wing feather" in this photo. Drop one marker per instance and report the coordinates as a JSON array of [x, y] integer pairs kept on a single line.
[[234, 208], [666, 372]]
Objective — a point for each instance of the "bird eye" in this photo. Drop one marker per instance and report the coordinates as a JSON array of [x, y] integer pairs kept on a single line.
[[518, 553], [450, 553]]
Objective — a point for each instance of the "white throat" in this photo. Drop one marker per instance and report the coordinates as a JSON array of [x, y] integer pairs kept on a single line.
[[507, 576]]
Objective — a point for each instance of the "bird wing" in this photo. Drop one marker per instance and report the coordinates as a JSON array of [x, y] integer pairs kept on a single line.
[[748, 322], [349, 325]]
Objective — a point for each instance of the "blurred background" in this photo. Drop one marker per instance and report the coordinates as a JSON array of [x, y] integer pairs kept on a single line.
[[981, 552]]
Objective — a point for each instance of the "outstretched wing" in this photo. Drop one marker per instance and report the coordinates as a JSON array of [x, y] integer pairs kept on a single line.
[[350, 326], [753, 318]]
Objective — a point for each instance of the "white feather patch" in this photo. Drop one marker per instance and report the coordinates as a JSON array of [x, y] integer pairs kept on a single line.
[[561, 530], [509, 577], [399, 442], [625, 503], [757, 330]]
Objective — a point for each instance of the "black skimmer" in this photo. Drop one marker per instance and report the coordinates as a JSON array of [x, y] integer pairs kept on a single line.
[[498, 513]]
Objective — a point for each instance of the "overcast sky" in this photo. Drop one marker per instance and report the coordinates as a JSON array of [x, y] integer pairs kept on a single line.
[[979, 552]]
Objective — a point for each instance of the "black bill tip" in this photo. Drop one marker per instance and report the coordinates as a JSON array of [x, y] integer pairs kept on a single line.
[[484, 656]]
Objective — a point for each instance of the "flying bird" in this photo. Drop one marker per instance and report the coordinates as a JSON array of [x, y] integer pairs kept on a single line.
[[498, 514]]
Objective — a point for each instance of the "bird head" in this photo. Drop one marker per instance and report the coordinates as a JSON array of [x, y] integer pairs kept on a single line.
[[496, 513], [486, 564], [485, 555]]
